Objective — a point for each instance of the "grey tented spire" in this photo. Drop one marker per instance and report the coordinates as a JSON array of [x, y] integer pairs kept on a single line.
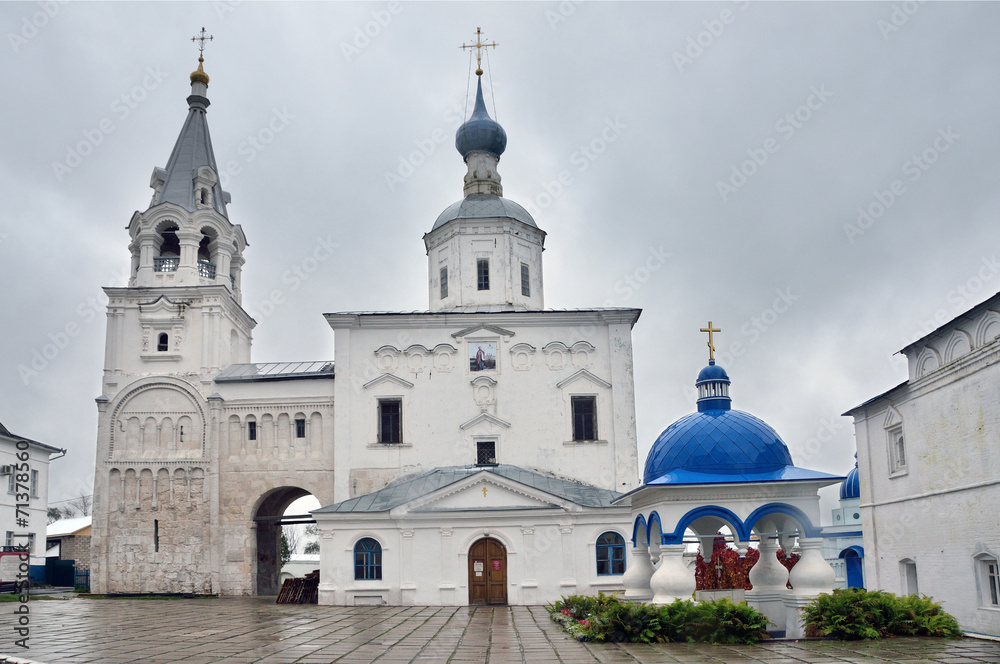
[[191, 178]]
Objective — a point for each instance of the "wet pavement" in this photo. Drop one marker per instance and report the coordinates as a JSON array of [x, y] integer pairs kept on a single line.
[[251, 629]]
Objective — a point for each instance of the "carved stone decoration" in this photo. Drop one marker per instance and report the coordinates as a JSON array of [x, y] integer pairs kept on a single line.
[[557, 355], [387, 359], [583, 354], [416, 358], [484, 392], [522, 357], [444, 357], [145, 339]]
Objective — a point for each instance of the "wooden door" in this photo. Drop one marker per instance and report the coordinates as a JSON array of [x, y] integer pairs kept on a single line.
[[487, 572]]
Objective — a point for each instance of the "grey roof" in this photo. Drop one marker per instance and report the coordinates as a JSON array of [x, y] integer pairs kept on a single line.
[[4, 431], [251, 372], [409, 487], [192, 150], [484, 206], [481, 309]]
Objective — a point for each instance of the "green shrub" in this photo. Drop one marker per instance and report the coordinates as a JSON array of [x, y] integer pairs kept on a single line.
[[607, 618], [855, 613]]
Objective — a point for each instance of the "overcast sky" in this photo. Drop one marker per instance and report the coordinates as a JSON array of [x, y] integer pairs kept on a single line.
[[335, 122]]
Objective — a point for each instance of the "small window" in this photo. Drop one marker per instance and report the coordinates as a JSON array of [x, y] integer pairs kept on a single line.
[[444, 282], [610, 554], [486, 453], [483, 274], [34, 484], [9, 540], [10, 483], [992, 582], [390, 413], [988, 573], [367, 560], [525, 280], [897, 450], [162, 342], [908, 577], [584, 418], [156, 535], [251, 430], [300, 427]]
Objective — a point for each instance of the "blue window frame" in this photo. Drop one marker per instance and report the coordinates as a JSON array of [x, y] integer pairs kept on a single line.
[[610, 554], [367, 560]]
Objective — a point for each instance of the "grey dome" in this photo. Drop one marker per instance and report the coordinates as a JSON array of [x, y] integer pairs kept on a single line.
[[484, 206], [480, 133]]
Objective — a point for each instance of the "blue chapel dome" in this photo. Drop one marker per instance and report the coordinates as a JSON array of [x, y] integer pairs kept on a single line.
[[718, 445], [851, 486], [480, 133]]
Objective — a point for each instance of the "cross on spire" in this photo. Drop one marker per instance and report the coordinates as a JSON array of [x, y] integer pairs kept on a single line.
[[478, 45], [711, 340], [201, 39]]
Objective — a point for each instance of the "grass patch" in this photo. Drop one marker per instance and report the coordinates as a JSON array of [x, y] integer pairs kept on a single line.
[[8, 597]]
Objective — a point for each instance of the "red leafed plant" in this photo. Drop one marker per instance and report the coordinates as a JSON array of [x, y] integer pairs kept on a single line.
[[725, 569]]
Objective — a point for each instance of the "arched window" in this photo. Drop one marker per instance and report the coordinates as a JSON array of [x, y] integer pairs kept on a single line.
[[367, 560], [162, 342], [610, 554]]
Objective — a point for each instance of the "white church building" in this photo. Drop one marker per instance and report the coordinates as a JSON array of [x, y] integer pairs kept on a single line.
[[486, 427]]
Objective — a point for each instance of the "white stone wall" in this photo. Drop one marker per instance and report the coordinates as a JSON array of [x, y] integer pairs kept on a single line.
[[505, 243], [941, 507], [543, 360], [425, 561]]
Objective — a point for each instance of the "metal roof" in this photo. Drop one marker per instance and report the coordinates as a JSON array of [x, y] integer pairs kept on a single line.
[[484, 206], [192, 150], [275, 371], [4, 431], [410, 487]]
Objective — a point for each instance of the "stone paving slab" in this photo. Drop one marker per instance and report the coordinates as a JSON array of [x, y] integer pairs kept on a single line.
[[242, 630]]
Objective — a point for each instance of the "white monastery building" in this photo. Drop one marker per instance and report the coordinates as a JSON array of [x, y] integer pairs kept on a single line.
[[930, 472], [484, 450]]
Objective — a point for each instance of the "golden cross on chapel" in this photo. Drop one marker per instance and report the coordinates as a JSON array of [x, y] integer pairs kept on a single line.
[[479, 46], [711, 340], [201, 39]]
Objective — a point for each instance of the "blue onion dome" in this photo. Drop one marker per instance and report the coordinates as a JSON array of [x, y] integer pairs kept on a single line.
[[480, 133], [851, 486], [716, 444]]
